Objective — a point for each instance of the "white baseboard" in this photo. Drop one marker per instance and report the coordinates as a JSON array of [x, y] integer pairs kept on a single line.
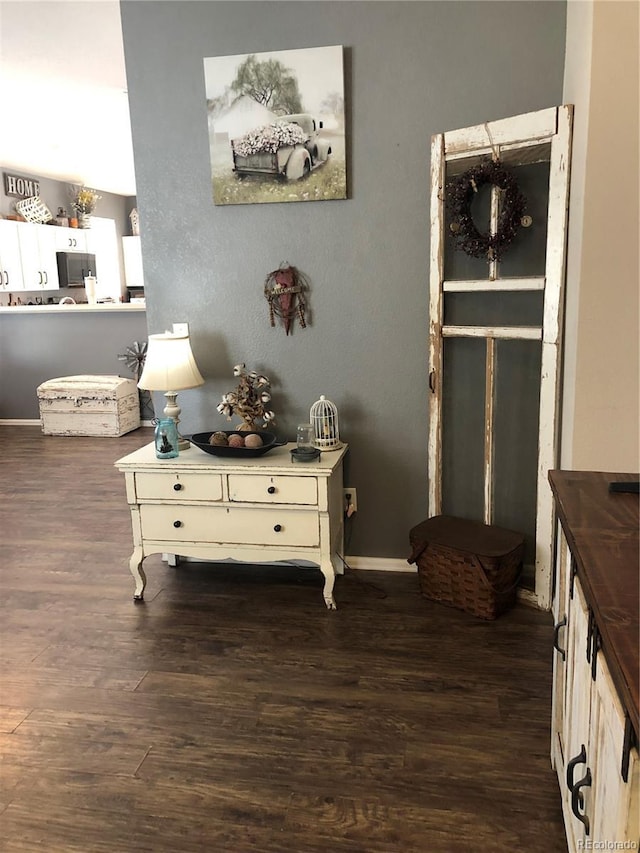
[[379, 564]]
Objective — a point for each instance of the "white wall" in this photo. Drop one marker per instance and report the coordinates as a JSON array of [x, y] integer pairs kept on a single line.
[[601, 394]]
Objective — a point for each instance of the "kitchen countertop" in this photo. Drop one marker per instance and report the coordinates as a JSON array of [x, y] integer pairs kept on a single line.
[[602, 530], [105, 308]]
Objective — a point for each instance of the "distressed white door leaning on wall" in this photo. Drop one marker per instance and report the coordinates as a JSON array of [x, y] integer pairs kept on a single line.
[[495, 332]]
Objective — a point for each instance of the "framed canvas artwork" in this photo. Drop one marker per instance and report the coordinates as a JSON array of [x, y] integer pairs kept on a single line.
[[276, 126]]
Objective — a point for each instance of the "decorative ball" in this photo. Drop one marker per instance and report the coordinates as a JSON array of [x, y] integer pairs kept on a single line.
[[219, 439], [253, 440], [236, 440]]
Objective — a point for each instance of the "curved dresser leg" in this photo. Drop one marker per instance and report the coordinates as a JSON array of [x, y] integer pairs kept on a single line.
[[135, 566], [326, 567]]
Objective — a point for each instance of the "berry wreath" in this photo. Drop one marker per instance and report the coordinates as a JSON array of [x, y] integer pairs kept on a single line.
[[460, 195]]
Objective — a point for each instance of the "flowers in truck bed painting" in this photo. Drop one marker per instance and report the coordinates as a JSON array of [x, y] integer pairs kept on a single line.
[[276, 126], [269, 138]]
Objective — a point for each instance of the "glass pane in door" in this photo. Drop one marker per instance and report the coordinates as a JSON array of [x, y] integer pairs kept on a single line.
[[494, 309], [526, 255], [463, 427], [516, 416], [457, 264]]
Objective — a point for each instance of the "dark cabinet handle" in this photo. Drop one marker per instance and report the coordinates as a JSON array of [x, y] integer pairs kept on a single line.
[[432, 382], [581, 758], [277, 528], [272, 490], [177, 487], [556, 631], [177, 524], [577, 800]]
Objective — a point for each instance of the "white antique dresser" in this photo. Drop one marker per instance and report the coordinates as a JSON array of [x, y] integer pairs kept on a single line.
[[260, 509]]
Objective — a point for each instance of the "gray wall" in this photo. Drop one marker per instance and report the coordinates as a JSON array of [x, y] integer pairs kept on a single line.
[[412, 69], [35, 347]]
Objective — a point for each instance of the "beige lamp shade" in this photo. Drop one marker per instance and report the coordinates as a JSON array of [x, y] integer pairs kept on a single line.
[[169, 365]]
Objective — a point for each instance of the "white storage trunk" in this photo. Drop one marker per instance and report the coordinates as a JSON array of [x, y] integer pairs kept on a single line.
[[89, 405]]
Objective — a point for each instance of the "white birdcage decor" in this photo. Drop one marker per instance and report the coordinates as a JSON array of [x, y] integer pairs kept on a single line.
[[323, 416]]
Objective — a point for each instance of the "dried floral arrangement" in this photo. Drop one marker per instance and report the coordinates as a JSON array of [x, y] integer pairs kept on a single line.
[[460, 195], [269, 137], [249, 399], [84, 200]]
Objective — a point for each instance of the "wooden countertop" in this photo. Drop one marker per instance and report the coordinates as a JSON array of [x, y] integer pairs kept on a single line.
[[603, 532]]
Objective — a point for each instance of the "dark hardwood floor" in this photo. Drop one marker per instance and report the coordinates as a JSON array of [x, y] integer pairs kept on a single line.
[[231, 711]]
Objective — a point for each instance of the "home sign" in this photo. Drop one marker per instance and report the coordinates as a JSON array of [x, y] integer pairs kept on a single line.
[[19, 187]]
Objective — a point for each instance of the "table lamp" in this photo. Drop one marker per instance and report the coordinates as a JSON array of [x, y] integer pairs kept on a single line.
[[170, 367]]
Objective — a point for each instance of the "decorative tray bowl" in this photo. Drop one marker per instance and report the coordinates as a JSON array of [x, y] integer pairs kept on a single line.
[[201, 440]]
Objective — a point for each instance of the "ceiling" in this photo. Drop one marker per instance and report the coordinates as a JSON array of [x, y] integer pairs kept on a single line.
[[63, 93]]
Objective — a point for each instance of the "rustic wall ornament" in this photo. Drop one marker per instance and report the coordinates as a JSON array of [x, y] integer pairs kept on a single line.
[[460, 195], [284, 290]]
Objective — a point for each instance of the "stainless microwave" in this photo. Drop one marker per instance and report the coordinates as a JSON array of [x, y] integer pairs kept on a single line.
[[74, 266]]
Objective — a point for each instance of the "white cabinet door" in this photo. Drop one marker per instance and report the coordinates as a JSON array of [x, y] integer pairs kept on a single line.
[[132, 251], [10, 262], [576, 723], [615, 815], [559, 699], [103, 242], [38, 254], [70, 240]]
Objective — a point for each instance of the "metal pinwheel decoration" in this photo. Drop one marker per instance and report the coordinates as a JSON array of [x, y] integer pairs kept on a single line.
[[134, 357]]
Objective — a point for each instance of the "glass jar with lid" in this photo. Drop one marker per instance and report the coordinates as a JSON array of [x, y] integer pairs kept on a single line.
[[166, 439]]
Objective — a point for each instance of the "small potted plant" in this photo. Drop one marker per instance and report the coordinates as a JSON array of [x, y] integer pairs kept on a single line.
[[248, 400], [83, 201]]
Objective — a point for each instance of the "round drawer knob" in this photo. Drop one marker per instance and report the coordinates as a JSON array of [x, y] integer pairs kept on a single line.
[[277, 528], [177, 487], [272, 490], [177, 524]]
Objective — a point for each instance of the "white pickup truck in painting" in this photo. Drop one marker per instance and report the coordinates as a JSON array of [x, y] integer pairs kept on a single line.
[[289, 149]]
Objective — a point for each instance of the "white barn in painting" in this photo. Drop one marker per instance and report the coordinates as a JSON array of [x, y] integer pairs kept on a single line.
[[243, 115]]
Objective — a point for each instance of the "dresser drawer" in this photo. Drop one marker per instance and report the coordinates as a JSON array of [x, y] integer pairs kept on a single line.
[[232, 525], [178, 486], [258, 488]]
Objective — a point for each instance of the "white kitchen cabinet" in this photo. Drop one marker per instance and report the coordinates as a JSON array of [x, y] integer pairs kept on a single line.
[[132, 252], [38, 255], [594, 729], [72, 239], [615, 815], [598, 804], [10, 261], [576, 723]]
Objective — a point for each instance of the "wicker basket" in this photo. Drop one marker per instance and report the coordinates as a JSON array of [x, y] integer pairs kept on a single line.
[[33, 209], [466, 564]]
